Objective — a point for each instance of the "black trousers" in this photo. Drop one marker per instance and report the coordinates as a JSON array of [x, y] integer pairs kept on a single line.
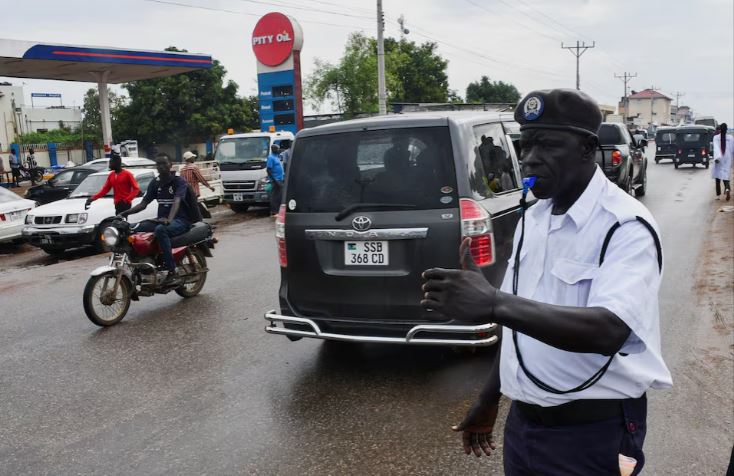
[[727, 186], [122, 207], [16, 175], [276, 196], [535, 449]]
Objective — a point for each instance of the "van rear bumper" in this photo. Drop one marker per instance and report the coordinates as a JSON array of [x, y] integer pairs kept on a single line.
[[422, 334]]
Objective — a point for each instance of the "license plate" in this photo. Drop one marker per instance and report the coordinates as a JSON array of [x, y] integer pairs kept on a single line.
[[366, 253], [15, 216], [47, 240], [691, 156], [238, 197]]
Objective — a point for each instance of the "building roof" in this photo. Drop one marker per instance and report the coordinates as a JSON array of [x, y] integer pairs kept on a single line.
[[649, 93], [24, 59]]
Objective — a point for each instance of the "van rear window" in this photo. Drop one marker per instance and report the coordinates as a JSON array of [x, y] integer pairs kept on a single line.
[[610, 135], [412, 166]]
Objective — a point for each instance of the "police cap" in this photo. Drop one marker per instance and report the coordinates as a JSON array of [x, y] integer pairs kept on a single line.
[[559, 109]]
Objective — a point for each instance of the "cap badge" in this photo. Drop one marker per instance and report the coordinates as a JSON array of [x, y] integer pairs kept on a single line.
[[533, 108]]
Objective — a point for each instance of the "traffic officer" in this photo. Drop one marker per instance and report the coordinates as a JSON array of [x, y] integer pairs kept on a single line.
[[580, 345]]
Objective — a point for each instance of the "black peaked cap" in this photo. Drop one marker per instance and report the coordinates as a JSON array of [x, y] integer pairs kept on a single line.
[[560, 109]]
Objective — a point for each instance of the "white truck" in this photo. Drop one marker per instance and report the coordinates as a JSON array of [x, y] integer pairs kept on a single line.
[[242, 159]]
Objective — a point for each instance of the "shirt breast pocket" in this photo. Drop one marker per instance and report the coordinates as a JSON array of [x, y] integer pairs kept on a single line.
[[573, 281]]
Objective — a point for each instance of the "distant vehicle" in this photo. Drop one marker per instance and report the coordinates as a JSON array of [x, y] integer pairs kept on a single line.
[[65, 224], [128, 162], [693, 145], [372, 203], [60, 186], [706, 121], [13, 210], [665, 145], [242, 159], [210, 171], [622, 157]]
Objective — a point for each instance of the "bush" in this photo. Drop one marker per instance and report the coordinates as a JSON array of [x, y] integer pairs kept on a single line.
[[56, 135]]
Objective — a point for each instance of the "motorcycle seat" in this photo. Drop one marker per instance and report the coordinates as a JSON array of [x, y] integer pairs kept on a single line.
[[200, 231]]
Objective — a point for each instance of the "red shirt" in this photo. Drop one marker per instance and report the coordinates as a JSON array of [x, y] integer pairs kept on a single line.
[[124, 185]]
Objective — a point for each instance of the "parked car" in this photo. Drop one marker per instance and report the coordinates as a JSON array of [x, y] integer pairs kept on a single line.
[[66, 224], [665, 145], [59, 186], [210, 171], [693, 145], [13, 210], [372, 203], [622, 157], [101, 165]]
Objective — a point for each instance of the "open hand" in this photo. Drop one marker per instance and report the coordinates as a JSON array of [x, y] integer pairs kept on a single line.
[[464, 295], [163, 221], [88, 203], [476, 429]]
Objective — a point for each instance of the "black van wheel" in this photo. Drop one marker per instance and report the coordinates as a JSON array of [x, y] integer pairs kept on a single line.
[[675, 164], [239, 207], [707, 164], [642, 187], [294, 338]]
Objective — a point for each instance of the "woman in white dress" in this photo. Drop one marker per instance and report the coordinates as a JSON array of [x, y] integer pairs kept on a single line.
[[723, 156]]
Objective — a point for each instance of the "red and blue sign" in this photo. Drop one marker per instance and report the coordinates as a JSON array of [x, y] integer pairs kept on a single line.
[[104, 55]]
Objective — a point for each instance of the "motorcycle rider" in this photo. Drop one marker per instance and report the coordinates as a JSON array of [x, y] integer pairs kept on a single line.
[[174, 217]]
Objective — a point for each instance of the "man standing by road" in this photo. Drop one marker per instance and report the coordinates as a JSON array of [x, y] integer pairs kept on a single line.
[[123, 184], [276, 174], [191, 173], [14, 168], [174, 217], [579, 308]]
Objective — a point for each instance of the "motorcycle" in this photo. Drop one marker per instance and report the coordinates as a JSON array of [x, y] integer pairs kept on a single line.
[[34, 174], [136, 269]]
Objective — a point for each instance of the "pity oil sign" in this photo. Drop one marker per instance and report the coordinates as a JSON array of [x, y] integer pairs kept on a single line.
[[276, 42]]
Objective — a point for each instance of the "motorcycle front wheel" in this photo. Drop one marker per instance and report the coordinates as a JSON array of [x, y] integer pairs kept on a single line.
[[193, 286], [103, 308]]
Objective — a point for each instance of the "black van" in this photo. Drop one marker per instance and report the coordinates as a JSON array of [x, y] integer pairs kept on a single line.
[[665, 145], [693, 145], [370, 204]]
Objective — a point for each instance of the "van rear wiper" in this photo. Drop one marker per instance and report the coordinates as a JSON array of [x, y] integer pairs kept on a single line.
[[371, 206]]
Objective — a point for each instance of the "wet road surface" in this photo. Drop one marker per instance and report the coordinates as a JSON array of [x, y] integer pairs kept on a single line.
[[197, 387]]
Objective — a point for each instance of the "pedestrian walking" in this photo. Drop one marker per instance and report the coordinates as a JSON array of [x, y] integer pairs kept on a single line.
[[723, 157], [578, 305], [192, 175], [123, 184], [14, 168], [277, 176]]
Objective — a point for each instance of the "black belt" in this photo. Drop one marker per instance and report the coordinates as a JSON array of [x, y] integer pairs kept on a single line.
[[575, 412]]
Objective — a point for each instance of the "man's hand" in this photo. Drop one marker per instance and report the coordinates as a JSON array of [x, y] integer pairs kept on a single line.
[[464, 295], [476, 429], [163, 221], [88, 203], [211, 188]]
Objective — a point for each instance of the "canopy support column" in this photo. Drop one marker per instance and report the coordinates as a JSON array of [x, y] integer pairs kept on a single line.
[[104, 111]]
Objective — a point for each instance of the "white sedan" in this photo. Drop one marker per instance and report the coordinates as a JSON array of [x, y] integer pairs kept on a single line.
[[64, 224], [13, 210]]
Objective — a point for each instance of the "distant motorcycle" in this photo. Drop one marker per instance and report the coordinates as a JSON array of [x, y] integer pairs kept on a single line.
[[136, 269], [34, 174]]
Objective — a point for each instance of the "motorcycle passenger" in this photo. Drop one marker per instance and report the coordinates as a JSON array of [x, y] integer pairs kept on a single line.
[[174, 217]]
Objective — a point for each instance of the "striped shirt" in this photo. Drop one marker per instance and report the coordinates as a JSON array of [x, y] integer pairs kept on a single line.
[[192, 175]]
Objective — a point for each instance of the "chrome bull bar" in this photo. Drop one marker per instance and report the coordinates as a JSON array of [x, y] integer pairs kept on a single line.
[[411, 337]]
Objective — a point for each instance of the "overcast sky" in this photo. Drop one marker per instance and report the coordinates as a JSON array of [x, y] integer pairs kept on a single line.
[[674, 45]]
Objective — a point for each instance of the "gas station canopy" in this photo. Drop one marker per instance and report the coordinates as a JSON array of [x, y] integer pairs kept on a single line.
[[102, 65]]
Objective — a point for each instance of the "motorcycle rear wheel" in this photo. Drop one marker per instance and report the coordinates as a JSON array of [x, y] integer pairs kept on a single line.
[[193, 288], [101, 314]]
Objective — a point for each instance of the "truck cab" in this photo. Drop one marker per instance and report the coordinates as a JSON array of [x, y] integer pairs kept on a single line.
[[242, 159]]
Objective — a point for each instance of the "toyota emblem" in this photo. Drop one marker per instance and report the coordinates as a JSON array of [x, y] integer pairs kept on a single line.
[[361, 223]]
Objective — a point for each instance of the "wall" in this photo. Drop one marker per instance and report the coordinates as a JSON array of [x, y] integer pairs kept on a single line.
[[48, 118], [661, 110], [7, 93]]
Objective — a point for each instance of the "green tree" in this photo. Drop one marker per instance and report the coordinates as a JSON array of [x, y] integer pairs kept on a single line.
[[91, 126], [486, 91], [184, 108], [413, 73]]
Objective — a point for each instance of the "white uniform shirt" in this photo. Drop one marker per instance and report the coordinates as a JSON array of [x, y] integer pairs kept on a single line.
[[559, 264]]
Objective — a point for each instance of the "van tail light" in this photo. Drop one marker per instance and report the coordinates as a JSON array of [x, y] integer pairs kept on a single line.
[[477, 225], [280, 237], [680, 151], [616, 157], [703, 152]]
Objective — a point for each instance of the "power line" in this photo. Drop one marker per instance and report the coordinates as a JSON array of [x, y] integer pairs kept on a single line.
[[308, 9], [580, 49], [529, 28], [626, 78]]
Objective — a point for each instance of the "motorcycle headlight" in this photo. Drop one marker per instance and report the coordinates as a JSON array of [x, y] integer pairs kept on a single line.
[[111, 236], [29, 219]]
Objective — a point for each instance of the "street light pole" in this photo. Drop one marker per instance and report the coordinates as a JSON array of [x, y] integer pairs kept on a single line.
[[381, 93]]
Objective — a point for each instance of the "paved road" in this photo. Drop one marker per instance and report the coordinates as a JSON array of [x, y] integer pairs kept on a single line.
[[197, 387]]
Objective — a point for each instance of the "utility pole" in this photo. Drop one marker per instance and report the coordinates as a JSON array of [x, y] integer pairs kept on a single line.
[[652, 103], [580, 49], [381, 94], [678, 95], [626, 78]]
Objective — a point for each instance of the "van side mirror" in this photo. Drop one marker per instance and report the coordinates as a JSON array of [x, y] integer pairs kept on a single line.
[[643, 143]]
